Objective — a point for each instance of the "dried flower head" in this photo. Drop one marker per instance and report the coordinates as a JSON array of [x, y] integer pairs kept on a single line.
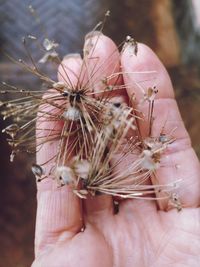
[[97, 134], [73, 104]]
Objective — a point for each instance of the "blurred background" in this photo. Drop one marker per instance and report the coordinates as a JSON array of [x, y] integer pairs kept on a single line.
[[170, 27]]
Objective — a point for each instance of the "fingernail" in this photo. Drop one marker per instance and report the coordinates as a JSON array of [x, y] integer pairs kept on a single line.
[[89, 42], [72, 55], [92, 34]]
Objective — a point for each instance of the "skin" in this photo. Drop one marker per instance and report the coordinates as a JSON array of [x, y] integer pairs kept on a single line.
[[143, 233]]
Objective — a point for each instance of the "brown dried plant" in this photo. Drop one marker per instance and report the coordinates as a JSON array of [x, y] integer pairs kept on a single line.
[[97, 133]]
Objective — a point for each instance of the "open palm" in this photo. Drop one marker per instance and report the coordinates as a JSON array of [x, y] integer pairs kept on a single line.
[[72, 233]]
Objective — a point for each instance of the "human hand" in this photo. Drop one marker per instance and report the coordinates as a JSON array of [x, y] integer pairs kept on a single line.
[[142, 233]]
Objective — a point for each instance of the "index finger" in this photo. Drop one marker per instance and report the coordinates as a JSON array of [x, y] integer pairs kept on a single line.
[[59, 209]]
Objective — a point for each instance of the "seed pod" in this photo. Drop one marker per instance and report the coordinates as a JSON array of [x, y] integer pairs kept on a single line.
[[12, 156], [49, 45], [32, 37], [175, 202], [37, 171], [151, 94], [64, 175], [148, 161], [11, 130], [13, 143], [132, 43], [59, 85]]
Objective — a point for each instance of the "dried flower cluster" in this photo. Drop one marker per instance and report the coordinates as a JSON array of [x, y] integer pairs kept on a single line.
[[97, 133]]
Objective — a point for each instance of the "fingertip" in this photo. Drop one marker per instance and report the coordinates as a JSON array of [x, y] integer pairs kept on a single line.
[[98, 43], [144, 54], [102, 60], [69, 69], [146, 70]]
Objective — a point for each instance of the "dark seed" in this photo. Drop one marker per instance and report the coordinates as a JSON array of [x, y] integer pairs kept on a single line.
[[117, 105], [37, 170]]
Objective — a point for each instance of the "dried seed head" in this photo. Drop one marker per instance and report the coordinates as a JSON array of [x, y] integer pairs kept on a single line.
[[12, 143], [59, 85], [128, 38], [165, 139], [151, 94], [49, 45], [153, 150], [102, 131], [107, 14], [12, 156], [148, 161], [81, 168], [49, 56], [65, 175], [73, 114], [37, 171], [175, 202], [130, 41], [10, 105], [32, 37], [11, 130], [32, 10]]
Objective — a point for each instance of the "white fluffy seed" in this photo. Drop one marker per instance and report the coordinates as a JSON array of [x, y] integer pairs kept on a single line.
[[148, 162], [72, 114], [82, 168], [65, 175]]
